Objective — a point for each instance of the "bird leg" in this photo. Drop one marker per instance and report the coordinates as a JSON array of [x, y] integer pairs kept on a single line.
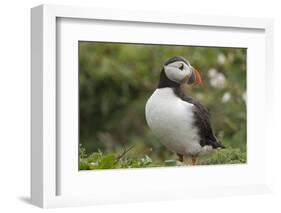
[[194, 160], [180, 157], [187, 160]]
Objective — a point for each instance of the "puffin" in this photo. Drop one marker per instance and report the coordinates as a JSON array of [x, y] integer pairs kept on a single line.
[[181, 123]]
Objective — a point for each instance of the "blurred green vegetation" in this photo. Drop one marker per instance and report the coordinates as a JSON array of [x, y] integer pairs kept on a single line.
[[117, 79], [100, 160]]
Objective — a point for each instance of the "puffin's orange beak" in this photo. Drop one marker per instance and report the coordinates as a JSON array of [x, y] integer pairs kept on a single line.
[[198, 79]]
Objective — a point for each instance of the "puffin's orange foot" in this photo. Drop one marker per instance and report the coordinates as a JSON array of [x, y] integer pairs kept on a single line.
[[194, 160]]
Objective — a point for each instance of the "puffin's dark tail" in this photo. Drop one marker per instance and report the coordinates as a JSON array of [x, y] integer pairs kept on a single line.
[[216, 145]]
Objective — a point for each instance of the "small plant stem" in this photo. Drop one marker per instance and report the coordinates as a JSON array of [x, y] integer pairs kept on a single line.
[[124, 153]]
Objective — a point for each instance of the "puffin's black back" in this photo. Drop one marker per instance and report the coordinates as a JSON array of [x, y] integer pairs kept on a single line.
[[202, 121]]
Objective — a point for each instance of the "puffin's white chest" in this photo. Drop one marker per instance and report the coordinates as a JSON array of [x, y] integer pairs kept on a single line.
[[172, 121]]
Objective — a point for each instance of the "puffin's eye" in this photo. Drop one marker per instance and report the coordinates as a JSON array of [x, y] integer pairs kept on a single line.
[[181, 67]]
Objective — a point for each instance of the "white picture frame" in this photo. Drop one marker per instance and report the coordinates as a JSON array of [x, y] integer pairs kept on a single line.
[[48, 175]]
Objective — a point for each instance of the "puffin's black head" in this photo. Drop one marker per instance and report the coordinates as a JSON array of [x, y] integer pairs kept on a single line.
[[176, 71]]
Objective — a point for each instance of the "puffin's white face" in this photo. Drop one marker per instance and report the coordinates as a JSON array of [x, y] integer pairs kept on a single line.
[[178, 71]]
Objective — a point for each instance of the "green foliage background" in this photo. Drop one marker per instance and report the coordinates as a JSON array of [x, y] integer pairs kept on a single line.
[[117, 79]]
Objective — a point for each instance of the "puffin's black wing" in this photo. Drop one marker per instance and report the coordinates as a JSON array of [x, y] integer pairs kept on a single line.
[[202, 122]]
